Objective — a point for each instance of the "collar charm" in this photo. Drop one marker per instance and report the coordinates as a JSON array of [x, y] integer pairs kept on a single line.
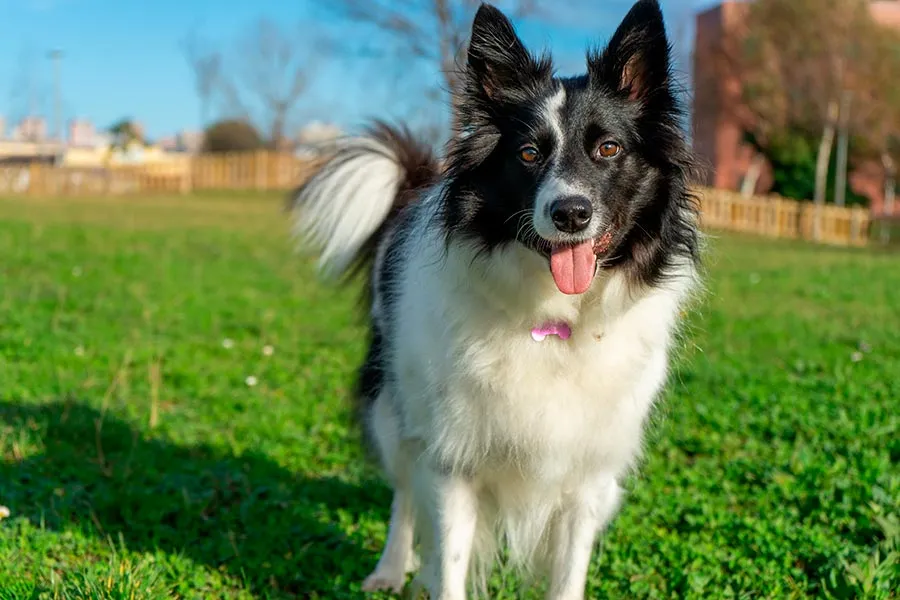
[[562, 330]]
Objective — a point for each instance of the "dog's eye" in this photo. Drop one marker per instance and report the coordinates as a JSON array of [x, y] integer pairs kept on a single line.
[[607, 149], [529, 154]]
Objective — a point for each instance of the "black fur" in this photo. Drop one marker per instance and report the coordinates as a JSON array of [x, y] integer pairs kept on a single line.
[[627, 94], [371, 377]]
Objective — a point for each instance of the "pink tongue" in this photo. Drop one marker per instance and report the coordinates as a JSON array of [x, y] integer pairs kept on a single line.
[[573, 267]]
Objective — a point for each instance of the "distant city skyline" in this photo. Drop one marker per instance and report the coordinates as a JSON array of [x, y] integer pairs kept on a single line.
[[125, 60], [83, 133]]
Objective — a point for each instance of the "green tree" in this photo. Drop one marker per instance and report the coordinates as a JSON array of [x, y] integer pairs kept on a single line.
[[797, 64], [126, 132], [793, 156], [232, 135]]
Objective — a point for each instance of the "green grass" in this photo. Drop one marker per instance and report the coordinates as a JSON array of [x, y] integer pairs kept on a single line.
[[137, 461]]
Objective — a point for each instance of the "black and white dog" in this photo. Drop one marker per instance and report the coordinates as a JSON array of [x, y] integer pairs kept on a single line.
[[524, 298]]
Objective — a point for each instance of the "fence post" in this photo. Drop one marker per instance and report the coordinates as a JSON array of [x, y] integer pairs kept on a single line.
[[817, 222], [259, 164], [776, 217], [193, 162], [34, 175], [184, 182], [804, 222]]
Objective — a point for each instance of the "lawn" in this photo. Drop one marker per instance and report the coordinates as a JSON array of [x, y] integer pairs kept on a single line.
[[174, 419]]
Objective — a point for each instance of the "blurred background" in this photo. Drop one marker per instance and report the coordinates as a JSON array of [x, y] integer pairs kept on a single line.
[[174, 414], [774, 104]]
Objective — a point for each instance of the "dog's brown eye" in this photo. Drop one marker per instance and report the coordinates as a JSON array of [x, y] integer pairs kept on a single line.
[[607, 149], [529, 154]]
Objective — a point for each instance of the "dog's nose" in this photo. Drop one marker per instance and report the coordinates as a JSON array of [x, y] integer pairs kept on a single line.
[[571, 214]]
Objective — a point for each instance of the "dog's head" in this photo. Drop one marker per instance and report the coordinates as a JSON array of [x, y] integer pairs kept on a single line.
[[589, 170]]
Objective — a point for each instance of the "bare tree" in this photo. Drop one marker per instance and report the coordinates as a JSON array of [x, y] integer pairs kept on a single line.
[[205, 64], [271, 71], [261, 78], [431, 31], [29, 93]]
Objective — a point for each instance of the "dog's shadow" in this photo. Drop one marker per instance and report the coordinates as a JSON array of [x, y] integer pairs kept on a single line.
[[247, 515]]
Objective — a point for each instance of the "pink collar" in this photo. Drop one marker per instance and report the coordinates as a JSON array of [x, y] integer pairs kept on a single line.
[[562, 330]]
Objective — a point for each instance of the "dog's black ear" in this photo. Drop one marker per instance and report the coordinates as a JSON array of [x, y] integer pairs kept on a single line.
[[637, 59], [498, 62]]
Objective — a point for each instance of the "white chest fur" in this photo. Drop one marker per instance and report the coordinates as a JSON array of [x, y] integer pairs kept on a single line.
[[483, 396]]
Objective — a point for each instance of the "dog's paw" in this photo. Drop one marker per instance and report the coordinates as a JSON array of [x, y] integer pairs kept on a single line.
[[384, 582]]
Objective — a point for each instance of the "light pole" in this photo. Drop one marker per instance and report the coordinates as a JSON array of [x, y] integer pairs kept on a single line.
[[56, 57]]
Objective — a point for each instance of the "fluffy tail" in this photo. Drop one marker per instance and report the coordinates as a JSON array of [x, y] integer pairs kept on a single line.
[[342, 210]]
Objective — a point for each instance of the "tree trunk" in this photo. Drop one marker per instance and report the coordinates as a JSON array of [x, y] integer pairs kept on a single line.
[[890, 191], [751, 178], [824, 157], [890, 183], [840, 175]]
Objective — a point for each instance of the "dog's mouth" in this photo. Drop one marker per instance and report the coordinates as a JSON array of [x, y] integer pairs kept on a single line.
[[573, 266]]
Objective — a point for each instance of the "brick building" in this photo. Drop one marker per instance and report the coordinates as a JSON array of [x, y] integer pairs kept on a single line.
[[717, 134]]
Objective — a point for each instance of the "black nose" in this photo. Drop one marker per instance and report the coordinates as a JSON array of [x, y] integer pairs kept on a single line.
[[571, 214]]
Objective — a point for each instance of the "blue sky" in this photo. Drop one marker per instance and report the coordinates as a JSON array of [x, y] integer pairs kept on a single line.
[[122, 58]]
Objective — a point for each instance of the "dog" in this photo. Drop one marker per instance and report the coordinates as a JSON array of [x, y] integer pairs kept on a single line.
[[524, 294]]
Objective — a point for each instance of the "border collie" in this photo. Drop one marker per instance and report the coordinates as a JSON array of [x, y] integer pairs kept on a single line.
[[523, 298]]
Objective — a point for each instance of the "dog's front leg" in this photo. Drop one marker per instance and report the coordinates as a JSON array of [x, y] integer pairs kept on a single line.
[[575, 530], [450, 503], [397, 557]]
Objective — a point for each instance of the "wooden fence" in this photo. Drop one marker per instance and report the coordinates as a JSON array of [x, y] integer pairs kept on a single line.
[[240, 171], [783, 218], [721, 209]]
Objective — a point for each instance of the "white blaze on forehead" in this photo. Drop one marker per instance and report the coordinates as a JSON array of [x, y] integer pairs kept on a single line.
[[553, 187], [555, 184], [552, 112]]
